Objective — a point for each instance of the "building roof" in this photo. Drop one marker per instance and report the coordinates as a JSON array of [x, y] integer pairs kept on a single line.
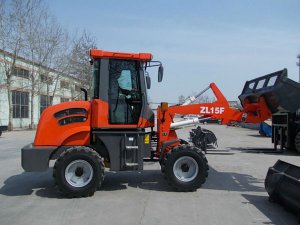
[[38, 64]]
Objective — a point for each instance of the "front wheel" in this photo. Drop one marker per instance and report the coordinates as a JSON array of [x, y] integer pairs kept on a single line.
[[186, 167], [78, 172]]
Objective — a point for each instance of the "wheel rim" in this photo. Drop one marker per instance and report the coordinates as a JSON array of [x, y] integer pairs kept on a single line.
[[185, 168], [79, 173]]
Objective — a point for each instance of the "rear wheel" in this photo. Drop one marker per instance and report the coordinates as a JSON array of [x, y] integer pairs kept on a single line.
[[163, 167], [78, 172], [297, 142], [186, 168]]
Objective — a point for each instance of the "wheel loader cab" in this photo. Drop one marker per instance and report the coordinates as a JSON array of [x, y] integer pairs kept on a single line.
[[119, 98], [118, 82]]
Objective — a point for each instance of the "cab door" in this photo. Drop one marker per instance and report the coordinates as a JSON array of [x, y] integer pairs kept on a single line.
[[124, 94]]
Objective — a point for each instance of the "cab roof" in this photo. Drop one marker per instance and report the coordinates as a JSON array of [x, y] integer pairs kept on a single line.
[[99, 54]]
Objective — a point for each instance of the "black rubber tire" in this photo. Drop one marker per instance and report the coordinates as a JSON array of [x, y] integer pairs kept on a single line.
[[198, 156], [163, 168], [0, 132], [270, 186], [297, 142], [78, 153]]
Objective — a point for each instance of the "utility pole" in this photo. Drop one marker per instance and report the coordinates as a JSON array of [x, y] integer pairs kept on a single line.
[[298, 64]]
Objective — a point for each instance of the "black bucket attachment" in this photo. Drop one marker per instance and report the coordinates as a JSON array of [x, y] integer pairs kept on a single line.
[[283, 185], [279, 92], [3, 128], [203, 138]]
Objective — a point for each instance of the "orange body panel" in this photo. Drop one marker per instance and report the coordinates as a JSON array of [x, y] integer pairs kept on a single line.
[[219, 95], [144, 123], [256, 112], [101, 118], [96, 54], [51, 133]]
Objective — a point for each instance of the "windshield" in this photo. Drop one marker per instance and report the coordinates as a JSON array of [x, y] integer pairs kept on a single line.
[[125, 99]]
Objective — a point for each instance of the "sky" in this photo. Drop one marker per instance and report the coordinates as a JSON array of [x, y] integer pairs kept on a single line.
[[198, 41]]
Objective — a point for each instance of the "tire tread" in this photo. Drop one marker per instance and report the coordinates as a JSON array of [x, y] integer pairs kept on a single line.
[[297, 142], [77, 150], [176, 150]]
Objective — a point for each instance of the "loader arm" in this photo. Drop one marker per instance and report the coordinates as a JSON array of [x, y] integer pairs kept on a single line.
[[217, 110], [252, 112]]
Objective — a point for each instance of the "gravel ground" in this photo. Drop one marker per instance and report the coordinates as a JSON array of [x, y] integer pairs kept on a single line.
[[233, 193]]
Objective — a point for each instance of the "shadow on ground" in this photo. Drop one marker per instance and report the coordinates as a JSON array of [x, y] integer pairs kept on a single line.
[[41, 184], [148, 179], [271, 151], [258, 136], [276, 214], [219, 152], [230, 181]]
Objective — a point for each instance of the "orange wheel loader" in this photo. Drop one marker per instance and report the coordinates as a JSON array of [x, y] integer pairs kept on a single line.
[[115, 129]]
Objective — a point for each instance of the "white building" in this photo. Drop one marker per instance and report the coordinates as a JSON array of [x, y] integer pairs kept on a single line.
[[50, 85]]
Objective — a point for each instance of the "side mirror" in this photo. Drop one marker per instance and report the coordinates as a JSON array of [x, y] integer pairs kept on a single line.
[[148, 82], [160, 73]]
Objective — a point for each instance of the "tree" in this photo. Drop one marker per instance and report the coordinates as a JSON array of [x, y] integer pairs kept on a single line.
[[181, 99], [27, 30], [79, 60], [205, 99], [44, 39], [12, 30]]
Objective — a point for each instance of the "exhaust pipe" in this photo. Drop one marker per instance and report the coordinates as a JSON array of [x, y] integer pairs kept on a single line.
[[283, 185]]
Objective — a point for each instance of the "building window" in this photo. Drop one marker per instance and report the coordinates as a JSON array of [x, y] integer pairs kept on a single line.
[[64, 99], [64, 84], [46, 79], [45, 101], [19, 72], [20, 102]]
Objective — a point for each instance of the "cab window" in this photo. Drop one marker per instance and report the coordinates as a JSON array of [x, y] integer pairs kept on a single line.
[[125, 101]]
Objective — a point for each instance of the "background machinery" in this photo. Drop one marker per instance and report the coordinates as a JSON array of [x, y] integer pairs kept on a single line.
[[271, 96], [3, 128], [281, 95]]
